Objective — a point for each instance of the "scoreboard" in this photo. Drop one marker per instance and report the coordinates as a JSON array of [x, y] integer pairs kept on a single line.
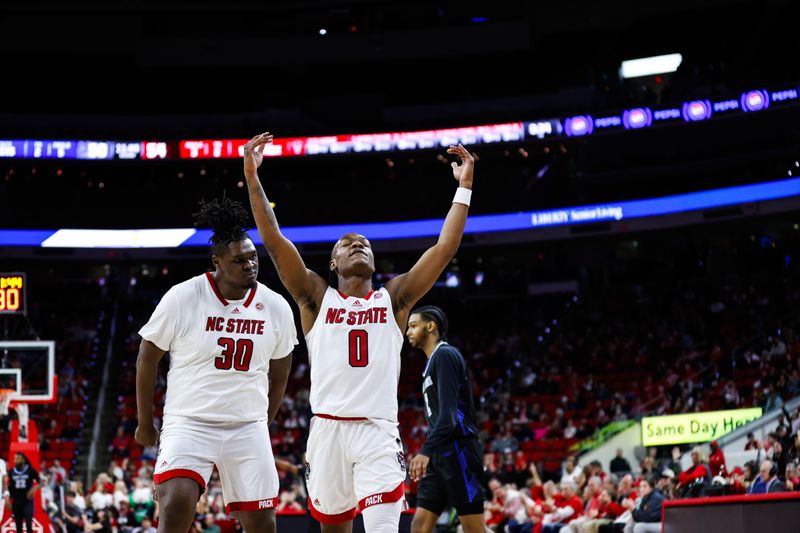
[[12, 293]]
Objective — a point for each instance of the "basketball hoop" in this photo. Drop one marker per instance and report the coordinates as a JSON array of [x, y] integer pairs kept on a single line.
[[6, 397]]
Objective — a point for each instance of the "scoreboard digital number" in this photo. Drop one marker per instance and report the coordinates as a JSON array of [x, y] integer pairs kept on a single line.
[[12, 293]]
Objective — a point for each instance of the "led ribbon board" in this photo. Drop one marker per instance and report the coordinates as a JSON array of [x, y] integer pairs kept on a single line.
[[574, 126], [694, 427]]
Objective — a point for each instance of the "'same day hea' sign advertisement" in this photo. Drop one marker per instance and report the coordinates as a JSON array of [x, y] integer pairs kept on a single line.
[[694, 427]]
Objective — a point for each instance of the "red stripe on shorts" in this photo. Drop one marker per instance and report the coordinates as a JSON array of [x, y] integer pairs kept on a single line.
[[383, 497], [331, 518], [345, 418], [180, 472], [255, 505]]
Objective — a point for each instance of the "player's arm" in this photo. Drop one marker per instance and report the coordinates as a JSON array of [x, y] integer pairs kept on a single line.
[[146, 374], [286, 466], [406, 289], [306, 287], [278, 378], [37, 484]]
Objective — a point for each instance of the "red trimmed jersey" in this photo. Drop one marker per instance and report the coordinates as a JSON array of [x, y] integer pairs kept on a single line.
[[354, 353], [220, 350]]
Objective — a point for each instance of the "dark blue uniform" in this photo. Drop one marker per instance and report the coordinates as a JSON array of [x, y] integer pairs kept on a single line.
[[20, 481], [455, 472]]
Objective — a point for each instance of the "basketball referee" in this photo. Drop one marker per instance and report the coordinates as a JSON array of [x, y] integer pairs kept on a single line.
[[449, 467]]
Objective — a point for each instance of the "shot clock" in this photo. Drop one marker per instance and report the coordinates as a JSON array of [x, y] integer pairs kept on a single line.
[[12, 293]]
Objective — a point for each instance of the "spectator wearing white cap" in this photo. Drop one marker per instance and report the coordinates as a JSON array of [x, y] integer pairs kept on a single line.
[[666, 483]]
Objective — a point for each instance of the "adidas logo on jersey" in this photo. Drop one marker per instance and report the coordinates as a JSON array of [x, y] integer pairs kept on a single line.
[[357, 303], [235, 311]]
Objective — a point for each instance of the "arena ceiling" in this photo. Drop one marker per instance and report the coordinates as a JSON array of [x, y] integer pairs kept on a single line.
[[380, 65]]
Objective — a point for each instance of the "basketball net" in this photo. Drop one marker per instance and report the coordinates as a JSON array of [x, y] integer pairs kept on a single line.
[[6, 399], [6, 395]]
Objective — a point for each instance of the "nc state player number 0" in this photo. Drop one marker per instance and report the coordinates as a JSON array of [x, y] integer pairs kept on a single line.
[[359, 350]]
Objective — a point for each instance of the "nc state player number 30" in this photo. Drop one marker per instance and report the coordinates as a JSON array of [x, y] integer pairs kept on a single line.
[[235, 353]]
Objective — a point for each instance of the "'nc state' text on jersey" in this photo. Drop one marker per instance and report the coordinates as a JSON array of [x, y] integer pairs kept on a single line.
[[235, 325], [375, 315]]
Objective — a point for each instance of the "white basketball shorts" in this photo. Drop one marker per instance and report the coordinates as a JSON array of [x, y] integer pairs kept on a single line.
[[242, 452], [352, 465]]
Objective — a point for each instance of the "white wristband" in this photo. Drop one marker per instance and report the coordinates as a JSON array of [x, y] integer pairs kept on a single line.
[[463, 196]]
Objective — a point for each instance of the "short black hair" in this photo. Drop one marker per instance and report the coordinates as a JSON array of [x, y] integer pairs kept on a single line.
[[431, 313], [226, 218]]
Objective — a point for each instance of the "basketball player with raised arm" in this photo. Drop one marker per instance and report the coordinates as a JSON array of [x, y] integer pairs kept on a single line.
[[230, 341], [354, 336]]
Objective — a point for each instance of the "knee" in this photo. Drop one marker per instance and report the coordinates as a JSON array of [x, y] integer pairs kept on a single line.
[[258, 522], [270, 523], [175, 504], [473, 527]]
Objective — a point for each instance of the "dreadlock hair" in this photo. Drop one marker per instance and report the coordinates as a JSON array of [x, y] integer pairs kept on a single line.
[[431, 313], [227, 218]]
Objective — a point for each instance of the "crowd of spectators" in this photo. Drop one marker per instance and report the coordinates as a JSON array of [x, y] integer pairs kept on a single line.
[[594, 498], [547, 374]]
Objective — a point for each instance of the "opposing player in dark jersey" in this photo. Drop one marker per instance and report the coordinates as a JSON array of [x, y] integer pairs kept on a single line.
[[23, 482], [449, 467]]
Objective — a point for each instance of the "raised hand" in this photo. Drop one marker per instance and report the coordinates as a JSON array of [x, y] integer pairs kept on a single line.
[[254, 151], [462, 172]]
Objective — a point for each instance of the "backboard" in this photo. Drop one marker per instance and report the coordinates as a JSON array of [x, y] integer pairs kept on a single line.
[[30, 365]]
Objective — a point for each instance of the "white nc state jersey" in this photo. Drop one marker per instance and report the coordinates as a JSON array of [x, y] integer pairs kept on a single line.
[[354, 353], [220, 349]]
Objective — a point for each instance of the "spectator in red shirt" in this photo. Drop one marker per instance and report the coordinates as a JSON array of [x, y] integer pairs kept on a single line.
[[717, 460], [570, 508], [594, 489], [697, 478], [494, 509], [121, 445], [736, 481], [792, 477]]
